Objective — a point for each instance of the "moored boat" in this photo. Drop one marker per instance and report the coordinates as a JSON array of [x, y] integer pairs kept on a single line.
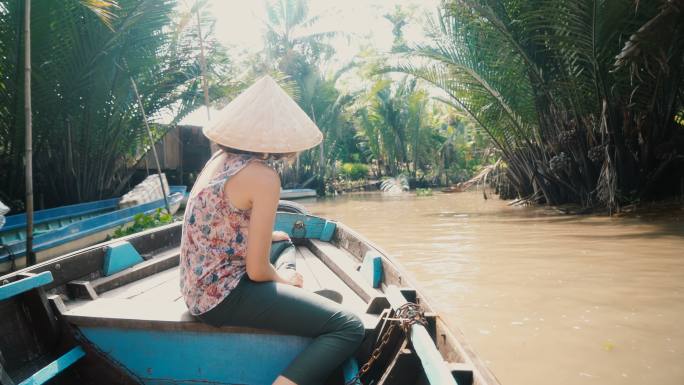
[[113, 313], [297, 193], [67, 228], [459, 187]]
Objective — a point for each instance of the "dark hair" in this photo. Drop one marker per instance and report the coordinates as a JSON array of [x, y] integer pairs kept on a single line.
[[260, 155]]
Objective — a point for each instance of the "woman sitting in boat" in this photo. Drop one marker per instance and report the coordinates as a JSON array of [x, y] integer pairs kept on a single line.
[[230, 273]]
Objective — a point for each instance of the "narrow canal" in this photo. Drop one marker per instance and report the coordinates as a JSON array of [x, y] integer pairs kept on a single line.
[[544, 298]]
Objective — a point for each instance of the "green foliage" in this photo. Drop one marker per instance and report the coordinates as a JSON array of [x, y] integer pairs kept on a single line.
[[578, 96], [143, 221], [354, 171], [87, 127], [402, 131], [424, 192], [293, 49]]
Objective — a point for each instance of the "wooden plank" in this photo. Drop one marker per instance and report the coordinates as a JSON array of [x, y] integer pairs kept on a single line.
[[344, 267], [387, 353], [403, 369], [329, 280], [167, 290], [163, 261], [57, 303], [431, 326], [377, 304], [358, 246], [81, 290], [24, 284], [55, 367], [218, 357], [143, 285], [463, 373], [434, 366], [310, 280], [148, 315]]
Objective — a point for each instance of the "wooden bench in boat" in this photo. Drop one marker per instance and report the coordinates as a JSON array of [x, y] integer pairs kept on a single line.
[[147, 295]]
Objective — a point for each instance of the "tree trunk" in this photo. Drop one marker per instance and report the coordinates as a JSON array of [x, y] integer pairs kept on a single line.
[[203, 67], [153, 144], [30, 256]]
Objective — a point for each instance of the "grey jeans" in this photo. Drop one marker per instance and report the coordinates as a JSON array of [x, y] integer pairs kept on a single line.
[[336, 332]]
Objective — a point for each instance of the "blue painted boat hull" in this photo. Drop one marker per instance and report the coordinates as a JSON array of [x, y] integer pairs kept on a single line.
[[78, 234], [187, 357], [52, 219], [297, 193]]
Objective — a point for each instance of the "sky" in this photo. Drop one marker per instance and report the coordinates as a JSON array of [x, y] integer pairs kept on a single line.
[[240, 25]]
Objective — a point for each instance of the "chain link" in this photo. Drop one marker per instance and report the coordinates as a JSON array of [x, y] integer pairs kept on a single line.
[[406, 315]]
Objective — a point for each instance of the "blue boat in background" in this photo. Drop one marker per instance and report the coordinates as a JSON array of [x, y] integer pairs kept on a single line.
[[63, 229], [297, 193]]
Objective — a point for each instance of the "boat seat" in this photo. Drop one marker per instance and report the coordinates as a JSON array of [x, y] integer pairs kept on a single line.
[[154, 315]]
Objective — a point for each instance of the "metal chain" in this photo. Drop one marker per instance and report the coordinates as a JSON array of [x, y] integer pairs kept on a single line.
[[406, 315]]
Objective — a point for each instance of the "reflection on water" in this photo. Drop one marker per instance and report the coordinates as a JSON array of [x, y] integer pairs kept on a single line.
[[544, 298]]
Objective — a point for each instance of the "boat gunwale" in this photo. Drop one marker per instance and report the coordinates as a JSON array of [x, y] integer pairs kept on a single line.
[[93, 254], [17, 221], [187, 325], [68, 233], [452, 336]]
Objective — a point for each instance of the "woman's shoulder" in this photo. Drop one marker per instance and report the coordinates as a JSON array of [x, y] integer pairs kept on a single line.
[[260, 174]]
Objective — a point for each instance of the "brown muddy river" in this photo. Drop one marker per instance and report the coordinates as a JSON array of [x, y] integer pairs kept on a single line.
[[545, 299]]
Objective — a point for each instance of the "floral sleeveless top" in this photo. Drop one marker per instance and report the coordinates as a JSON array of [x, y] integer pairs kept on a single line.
[[214, 241]]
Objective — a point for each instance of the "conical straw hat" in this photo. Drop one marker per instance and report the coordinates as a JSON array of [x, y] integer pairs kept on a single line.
[[264, 119]]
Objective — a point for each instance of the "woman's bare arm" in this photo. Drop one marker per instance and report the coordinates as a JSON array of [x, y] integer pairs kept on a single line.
[[263, 185]]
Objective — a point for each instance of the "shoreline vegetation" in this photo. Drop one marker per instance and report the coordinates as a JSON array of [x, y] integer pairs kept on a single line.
[[575, 105]]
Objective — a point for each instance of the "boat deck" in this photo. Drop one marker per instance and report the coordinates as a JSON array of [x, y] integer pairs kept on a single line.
[[156, 302], [123, 302]]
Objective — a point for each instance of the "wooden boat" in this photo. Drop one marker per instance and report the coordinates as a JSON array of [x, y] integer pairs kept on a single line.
[[454, 189], [67, 228], [297, 193], [113, 314]]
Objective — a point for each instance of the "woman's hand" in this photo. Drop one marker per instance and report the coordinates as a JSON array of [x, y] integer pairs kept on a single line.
[[280, 236], [291, 277]]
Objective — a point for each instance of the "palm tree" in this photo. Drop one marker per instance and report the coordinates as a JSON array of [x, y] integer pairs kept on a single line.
[[290, 42], [540, 78], [87, 128], [394, 124]]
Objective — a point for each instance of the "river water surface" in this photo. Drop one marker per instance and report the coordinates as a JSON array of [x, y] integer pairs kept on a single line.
[[544, 298]]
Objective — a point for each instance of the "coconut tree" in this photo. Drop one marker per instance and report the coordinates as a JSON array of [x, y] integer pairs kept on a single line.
[[87, 128], [541, 78], [291, 42], [393, 120]]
